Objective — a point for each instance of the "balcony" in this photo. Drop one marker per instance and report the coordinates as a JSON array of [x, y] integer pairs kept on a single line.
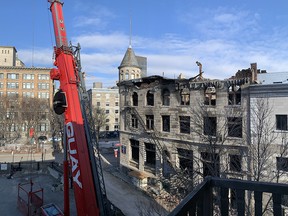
[[212, 197]]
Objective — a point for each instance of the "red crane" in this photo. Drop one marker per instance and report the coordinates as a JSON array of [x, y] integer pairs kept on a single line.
[[71, 99]]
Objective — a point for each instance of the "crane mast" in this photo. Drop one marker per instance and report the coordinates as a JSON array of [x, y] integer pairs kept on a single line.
[[86, 171]]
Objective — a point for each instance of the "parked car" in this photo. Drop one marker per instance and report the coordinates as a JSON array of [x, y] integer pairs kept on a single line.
[[56, 139], [42, 138]]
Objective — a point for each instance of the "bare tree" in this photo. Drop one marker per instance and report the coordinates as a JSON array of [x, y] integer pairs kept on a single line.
[[264, 145], [33, 112], [10, 118], [99, 116], [57, 128], [262, 138]]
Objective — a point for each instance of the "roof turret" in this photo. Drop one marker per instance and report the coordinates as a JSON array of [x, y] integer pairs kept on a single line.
[[129, 59]]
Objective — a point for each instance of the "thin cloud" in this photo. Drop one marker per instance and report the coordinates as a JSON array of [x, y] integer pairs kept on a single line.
[[222, 22], [83, 21], [96, 16], [224, 40], [102, 41], [38, 57]]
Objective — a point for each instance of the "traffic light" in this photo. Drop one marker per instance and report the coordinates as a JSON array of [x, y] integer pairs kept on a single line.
[[59, 102]]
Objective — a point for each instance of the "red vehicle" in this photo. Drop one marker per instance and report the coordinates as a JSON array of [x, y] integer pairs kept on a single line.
[[79, 136]]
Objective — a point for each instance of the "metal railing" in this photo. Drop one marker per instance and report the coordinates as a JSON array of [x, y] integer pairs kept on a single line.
[[214, 197]]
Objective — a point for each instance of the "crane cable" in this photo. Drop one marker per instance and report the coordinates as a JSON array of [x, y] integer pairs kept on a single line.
[[33, 33], [50, 29]]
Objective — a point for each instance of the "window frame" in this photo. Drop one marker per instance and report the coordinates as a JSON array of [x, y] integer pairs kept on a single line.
[[233, 123], [166, 97], [150, 98], [150, 122], [165, 123], [185, 125], [281, 122], [211, 128], [235, 162]]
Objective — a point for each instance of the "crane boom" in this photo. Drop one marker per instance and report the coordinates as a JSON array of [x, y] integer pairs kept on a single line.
[[88, 195]]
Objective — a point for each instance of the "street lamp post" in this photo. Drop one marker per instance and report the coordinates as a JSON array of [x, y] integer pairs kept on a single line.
[[42, 150]]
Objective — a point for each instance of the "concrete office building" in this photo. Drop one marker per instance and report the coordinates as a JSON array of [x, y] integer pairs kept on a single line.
[[20, 82], [108, 100]]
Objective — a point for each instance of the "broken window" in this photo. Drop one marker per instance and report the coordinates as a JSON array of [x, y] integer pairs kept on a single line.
[[150, 98], [185, 159], [134, 120], [235, 163], [135, 99], [210, 96], [166, 97], [185, 124], [211, 164], [185, 96], [150, 154], [234, 95], [134, 150], [149, 122], [281, 122], [210, 126], [235, 127], [282, 163], [166, 123]]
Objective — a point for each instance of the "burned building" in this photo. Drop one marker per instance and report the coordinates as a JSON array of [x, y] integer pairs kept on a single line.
[[183, 128]]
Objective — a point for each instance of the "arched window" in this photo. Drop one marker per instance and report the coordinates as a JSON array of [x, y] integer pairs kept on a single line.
[[185, 96], [150, 98], [210, 96], [234, 95], [126, 76], [135, 99], [166, 97]]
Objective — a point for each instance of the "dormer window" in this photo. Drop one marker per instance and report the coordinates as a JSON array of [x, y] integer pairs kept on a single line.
[[210, 96], [185, 96], [234, 95]]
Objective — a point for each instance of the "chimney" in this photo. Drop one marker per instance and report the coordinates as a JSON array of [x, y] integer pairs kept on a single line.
[[254, 72], [97, 84]]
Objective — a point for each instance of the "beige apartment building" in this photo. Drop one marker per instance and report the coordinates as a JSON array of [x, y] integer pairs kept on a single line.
[[108, 100], [20, 82]]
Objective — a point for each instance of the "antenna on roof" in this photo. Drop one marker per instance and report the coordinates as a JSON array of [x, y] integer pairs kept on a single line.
[[130, 39]]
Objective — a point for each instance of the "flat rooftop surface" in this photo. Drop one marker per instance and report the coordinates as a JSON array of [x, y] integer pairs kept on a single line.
[[9, 192]]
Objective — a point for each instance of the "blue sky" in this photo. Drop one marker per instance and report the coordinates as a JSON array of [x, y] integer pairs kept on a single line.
[[224, 35]]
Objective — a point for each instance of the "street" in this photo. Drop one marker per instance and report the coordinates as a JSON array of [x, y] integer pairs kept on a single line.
[[123, 195], [19, 157]]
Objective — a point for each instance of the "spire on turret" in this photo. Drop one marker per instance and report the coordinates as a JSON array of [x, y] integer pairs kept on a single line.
[[131, 65], [130, 39]]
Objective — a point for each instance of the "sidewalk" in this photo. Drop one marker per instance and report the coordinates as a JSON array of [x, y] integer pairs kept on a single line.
[[130, 200]]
